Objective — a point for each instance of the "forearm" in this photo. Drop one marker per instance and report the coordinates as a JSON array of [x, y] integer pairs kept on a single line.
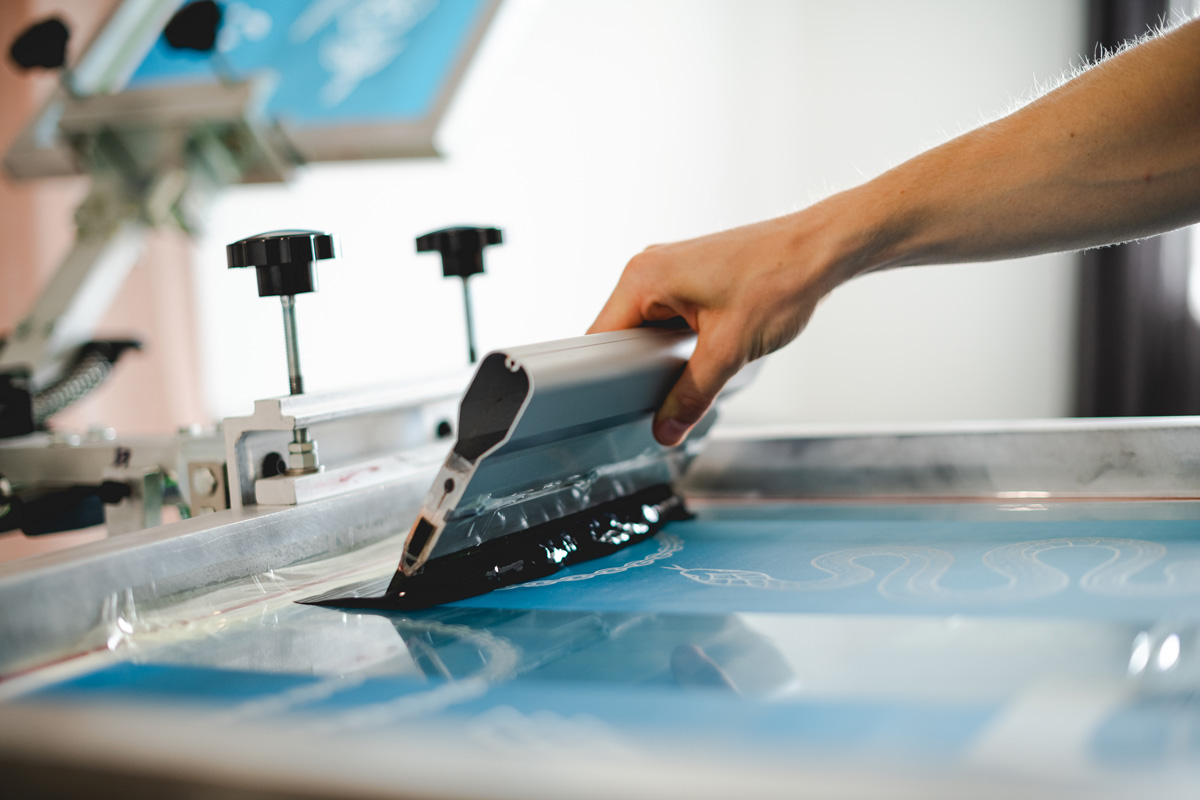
[[1110, 156]]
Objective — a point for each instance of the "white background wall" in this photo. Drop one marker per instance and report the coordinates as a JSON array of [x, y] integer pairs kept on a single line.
[[589, 129]]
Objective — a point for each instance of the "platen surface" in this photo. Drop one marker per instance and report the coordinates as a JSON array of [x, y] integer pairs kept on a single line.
[[949, 636]]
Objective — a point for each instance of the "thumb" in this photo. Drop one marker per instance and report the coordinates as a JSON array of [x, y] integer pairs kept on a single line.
[[707, 371]]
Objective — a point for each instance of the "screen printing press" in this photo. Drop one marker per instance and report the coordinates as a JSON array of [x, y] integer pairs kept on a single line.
[[960, 611]]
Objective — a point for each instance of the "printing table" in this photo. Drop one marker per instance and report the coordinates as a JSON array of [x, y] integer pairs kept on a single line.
[[945, 634]]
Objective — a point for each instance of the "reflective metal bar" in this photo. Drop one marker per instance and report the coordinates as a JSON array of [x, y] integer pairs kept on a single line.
[[72, 601], [1152, 457], [470, 317], [291, 340]]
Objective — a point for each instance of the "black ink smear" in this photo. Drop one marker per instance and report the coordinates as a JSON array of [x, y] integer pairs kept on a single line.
[[527, 555]]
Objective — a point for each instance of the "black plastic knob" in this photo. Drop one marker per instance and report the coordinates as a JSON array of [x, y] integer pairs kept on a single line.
[[283, 259], [461, 248], [195, 27], [43, 44]]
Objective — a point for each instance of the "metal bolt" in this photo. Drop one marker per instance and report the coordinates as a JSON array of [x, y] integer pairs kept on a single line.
[[65, 439], [204, 482], [302, 458], [291, 339], [101, 433], [471, 352]]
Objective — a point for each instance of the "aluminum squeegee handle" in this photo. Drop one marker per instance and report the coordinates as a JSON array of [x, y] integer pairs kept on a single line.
[[544, 421]]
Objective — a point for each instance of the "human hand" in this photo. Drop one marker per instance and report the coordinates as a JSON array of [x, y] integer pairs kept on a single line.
[[746, 292], [1110, 156]]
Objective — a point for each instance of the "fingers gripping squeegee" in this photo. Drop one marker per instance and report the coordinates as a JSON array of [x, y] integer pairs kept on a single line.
[[555, 463]]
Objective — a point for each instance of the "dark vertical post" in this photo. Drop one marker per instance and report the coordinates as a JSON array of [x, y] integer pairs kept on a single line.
[[1139, 347]]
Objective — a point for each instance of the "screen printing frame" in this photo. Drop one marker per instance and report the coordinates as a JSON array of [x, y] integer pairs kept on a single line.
[[56, 600], [401, 139], [56, 597], [114, 53], [119, 747]]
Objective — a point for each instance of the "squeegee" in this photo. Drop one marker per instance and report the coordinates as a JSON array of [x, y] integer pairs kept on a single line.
[[555, 463]]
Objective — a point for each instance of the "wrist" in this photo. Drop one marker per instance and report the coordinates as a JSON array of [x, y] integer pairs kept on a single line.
[[861, 230]]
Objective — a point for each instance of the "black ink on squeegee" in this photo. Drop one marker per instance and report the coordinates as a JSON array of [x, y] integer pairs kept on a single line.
[[526, 555]]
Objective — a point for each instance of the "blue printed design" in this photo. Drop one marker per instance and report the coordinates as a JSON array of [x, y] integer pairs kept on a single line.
[[331, 62]]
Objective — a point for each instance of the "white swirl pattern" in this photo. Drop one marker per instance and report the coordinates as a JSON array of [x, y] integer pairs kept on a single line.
[[668, 545], [1025, 576]]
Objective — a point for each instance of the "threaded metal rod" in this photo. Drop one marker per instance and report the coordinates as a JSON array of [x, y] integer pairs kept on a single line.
[[470, 322], [292, 342]]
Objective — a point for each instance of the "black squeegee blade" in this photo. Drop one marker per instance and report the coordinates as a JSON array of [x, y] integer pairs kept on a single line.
[[526, 555]]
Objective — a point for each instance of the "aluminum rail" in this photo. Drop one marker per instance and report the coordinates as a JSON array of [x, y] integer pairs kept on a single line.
[[1127, 458], [72, 304], [72, 601]]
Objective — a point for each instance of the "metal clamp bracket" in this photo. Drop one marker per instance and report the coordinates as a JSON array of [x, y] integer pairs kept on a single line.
[[356, 428]]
